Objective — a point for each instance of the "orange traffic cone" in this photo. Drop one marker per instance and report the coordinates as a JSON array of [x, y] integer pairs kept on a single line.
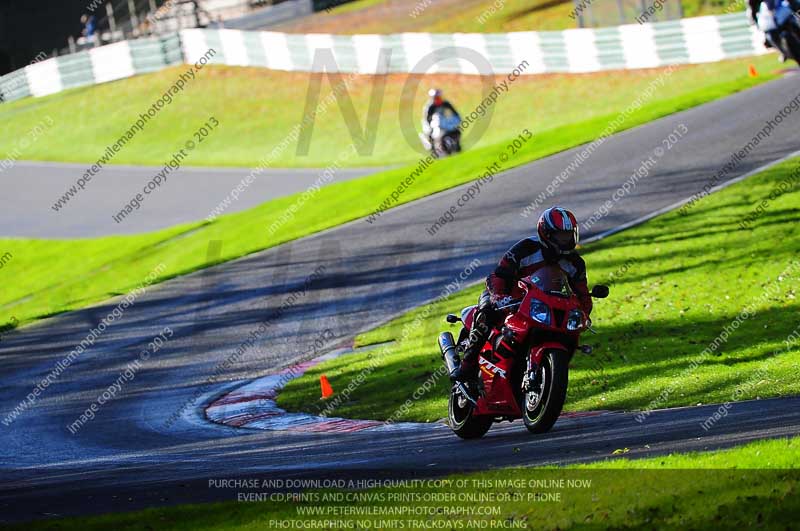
[[325, 386], [752, 71]]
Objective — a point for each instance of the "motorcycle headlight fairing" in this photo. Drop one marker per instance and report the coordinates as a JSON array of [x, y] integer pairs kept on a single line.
[[540, 312], [575, 320]]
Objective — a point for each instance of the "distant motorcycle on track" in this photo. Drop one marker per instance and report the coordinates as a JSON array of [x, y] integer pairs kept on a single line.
[[781, 23], [442, 137], [523, 367]]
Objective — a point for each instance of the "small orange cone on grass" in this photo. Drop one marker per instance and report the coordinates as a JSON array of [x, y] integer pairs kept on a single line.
[[325, 385], [752, 71]]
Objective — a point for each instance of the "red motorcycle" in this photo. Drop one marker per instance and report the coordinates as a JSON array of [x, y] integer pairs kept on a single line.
[[524, 365]]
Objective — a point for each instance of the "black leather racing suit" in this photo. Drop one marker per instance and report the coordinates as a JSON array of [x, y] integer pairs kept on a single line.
[[522, 260], [430, 109]]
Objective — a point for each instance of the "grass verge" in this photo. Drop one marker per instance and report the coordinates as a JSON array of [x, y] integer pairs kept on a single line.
[[676, 283], [750, 486], [258, 108], [46, 277]]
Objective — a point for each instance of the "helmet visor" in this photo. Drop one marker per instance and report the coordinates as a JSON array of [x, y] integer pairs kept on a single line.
[[563, 239]]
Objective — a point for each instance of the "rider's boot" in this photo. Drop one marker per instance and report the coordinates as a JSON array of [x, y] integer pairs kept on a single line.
[[433, 150], [468, 369]]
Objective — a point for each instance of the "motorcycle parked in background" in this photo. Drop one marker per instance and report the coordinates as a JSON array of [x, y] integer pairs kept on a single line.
[[524, 365], [444, 133]]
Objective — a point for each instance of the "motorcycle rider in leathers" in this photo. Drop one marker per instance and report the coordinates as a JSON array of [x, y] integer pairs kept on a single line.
[[554, 244], [435, 104], [772, 39]]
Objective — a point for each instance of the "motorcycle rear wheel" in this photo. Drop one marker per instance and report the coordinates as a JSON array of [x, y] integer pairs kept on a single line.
[[541, 407], [450, 144], [461, 419], [792, 43]]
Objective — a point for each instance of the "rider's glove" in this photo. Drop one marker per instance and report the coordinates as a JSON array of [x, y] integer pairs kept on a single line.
[[502, 300]]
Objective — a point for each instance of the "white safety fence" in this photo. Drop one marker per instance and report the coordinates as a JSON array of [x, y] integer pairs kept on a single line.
[[97, 65], [692, 40]]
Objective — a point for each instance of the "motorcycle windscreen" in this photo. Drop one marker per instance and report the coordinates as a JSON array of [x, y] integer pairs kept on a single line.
[[551, 279]]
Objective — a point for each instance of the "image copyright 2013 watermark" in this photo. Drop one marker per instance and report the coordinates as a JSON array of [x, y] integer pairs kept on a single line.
[[642, 172], [154, 184], [89, 340], [586, 152], [127, 375], [111, 151], [477, 187], [21, 146]]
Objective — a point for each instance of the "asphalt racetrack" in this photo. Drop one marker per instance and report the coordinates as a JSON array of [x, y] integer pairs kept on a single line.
[[129, 456], [189, 194]]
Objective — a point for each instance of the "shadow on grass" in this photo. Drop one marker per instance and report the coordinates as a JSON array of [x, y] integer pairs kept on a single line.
[[637, 355], [631, 358]]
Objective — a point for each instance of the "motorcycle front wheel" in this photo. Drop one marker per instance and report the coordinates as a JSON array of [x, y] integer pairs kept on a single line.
[[461, 419], [543, 401]]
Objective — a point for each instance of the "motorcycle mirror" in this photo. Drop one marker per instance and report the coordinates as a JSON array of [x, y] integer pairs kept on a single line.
[[452, 318], [600, 291]]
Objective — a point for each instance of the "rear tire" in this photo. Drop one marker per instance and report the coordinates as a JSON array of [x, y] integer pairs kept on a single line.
[[540, 415], [462, 421]]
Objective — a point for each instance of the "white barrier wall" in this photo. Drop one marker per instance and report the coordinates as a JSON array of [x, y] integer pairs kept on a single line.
[[112, 62], [97, 65], [693, 40]]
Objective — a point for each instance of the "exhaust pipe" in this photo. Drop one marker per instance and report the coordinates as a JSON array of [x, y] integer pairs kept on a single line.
[[448, 347]]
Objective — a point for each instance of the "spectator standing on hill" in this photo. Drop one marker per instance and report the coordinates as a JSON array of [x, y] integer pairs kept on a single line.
[[89, 27]]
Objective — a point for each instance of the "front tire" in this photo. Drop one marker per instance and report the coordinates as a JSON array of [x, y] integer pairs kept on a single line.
[[461, 419], [542, 404]]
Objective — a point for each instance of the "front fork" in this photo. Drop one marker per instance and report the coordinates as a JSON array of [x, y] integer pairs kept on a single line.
[[534, 361], [462, 390]]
